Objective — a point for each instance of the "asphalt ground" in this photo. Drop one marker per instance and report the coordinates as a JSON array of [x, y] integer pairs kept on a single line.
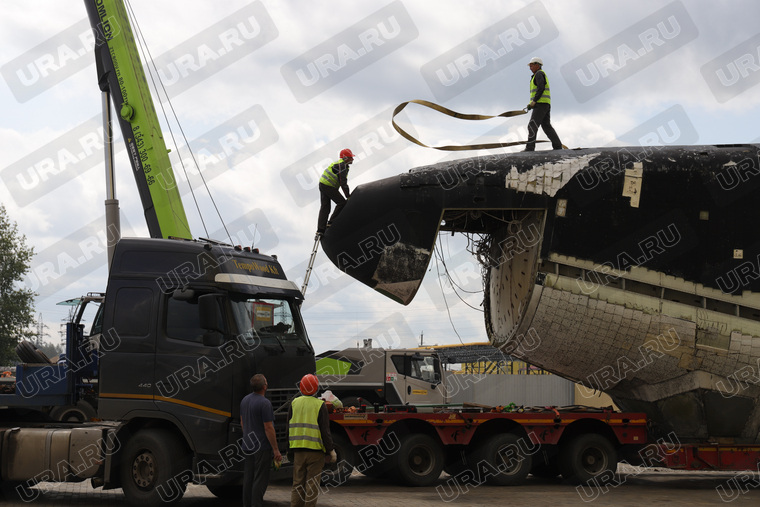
[[631, 487]]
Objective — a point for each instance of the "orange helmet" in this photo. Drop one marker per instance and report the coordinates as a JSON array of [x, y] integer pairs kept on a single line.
[[346, 153], [308, 385]]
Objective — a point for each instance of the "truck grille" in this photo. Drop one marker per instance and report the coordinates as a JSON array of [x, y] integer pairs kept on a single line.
[[281, 399]]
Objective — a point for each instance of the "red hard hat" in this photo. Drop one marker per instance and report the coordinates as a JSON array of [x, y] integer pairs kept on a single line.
[[346, 153], [308, 385]]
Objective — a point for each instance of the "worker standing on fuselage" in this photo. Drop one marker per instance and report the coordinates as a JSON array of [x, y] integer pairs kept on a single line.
[[334, 178], [540, 103]]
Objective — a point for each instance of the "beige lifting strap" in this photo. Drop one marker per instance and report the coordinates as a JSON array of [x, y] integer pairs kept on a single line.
[[461, 116]]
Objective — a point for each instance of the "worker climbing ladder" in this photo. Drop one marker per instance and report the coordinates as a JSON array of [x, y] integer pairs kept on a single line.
[[311, 262]]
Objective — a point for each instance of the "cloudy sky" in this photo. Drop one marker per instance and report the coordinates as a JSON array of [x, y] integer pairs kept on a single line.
[[268, 92]]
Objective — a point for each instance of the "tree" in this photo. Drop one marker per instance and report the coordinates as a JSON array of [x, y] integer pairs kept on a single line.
[[16, 302]]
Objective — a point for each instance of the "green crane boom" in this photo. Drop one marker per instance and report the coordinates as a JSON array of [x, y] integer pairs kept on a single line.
[[120, 72]]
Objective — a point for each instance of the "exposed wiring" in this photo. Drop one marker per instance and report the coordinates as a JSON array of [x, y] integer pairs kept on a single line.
[[440, 258], [448, 311]]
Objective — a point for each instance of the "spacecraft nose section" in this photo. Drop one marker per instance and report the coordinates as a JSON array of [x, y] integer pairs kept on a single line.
[[384, 238]]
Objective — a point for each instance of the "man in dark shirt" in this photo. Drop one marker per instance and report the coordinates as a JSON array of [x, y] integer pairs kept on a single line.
[[540, 103], [259, 441]]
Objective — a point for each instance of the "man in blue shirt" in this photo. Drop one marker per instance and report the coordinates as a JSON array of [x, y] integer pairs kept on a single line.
[[259, 441]]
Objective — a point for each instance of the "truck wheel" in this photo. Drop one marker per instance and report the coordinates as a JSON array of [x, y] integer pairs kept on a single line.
[[335, 474], [151, 468], [81, 412], [419, 460], [587, 456], [502, 457]]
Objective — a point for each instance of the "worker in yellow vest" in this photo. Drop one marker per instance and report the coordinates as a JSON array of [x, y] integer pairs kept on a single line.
[[335, 177], [311, 444], [540, 103]]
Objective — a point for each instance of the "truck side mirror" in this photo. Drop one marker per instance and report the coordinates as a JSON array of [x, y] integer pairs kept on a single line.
[[209, 316], [213, 339]]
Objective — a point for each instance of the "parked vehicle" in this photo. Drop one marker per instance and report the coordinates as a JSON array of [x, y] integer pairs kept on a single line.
[[386, 377]]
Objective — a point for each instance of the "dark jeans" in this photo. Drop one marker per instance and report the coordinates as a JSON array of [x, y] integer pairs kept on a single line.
[[328, 195], [541, 117], [256, 477]]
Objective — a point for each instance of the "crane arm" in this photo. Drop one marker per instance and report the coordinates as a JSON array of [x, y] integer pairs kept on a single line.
[[121, 73]]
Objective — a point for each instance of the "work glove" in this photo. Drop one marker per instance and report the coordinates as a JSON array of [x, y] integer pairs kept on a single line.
[[531, 105], [331, 457]]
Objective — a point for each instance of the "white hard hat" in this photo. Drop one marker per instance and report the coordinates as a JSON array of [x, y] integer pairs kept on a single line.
[[537, 60]]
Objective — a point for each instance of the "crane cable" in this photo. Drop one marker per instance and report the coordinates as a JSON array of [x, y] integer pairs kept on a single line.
[[151, 66]]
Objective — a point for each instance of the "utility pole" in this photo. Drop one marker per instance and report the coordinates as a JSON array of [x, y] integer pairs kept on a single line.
[[40, 331], [421, 333]]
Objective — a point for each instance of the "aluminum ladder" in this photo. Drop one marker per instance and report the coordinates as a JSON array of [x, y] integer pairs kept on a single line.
[[317, 238]]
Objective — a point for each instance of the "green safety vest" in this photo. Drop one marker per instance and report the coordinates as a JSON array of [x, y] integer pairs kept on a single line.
[[303, 430], [546, 97], [329, 178]]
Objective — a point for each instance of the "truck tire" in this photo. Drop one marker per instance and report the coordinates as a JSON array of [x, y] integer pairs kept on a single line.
[[335, 474], [81, 412], [29, 353], [419, 460], [152, 463], [501, 455], [587, 456]]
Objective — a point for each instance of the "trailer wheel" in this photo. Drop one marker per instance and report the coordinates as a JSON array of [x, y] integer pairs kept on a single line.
[[503, 453], [419, 460], [337, 473], [587, 456], [152, 466]]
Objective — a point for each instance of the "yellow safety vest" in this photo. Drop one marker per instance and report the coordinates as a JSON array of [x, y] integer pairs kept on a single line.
[[303, 430], [329, 178], [546, 97]]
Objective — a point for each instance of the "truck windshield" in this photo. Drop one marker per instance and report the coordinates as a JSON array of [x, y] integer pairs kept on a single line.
[[270, 320]]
